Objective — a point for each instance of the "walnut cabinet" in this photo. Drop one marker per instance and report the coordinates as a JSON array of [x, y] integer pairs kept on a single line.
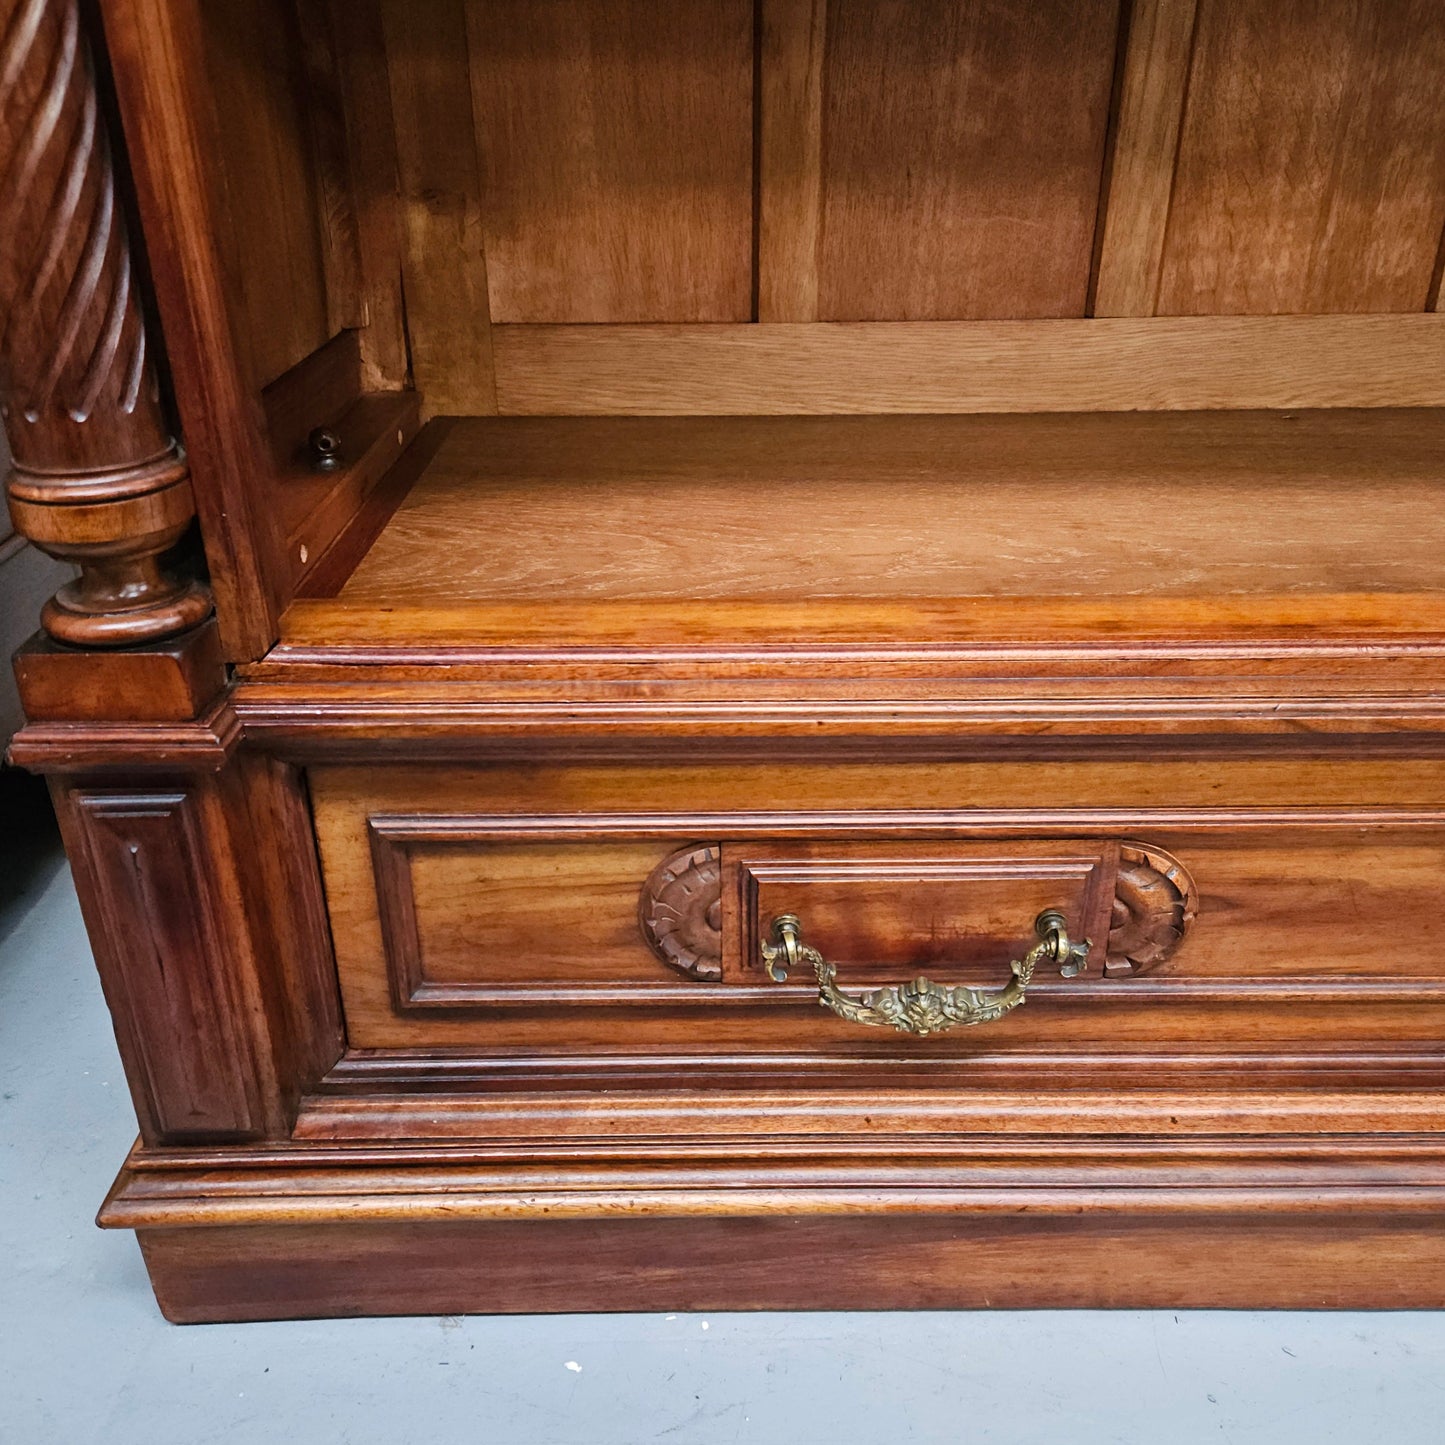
[[762, 653]]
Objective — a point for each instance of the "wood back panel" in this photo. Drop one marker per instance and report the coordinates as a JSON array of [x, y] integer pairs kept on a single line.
[[615, 144], [1311, 168], [962, 146], [587, 178]]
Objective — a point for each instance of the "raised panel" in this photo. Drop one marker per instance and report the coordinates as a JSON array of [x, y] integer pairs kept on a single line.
[[962, 150], [164, 965], [1310, 174], [615, 140], [958, 913], [1292, 938]]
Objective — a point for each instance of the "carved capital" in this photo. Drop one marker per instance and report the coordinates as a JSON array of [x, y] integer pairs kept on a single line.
[[680, 911], [1155, 902], [98, 477]]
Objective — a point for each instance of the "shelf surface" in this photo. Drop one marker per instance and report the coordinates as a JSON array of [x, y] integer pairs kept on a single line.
[[882, 523]]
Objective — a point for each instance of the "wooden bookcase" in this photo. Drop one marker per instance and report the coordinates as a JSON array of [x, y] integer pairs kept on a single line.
[[562, 487]]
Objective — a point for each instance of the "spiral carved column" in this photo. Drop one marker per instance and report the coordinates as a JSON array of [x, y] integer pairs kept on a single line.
[[98, 478]]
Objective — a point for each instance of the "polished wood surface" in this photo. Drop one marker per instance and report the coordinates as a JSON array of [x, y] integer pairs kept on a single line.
[[98, 477], [818, 1263], [896, 507], [903, 464], [515, 897]]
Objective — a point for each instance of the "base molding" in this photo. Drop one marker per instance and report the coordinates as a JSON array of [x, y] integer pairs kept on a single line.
[[1098, 1258], [309, 1229]]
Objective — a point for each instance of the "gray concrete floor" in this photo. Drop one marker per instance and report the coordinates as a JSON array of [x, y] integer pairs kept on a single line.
[[84, 1356]]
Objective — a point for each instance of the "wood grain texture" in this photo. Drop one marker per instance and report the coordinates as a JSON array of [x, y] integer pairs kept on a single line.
[[962, 152], [157, 53], [790, 157], [1153, 364], [277, 218], [447, 311], [1311, 168], [170, 681], [615, 143], [98, 479], [144, 861], [1295, 945], [789, 509], [1122, 1261], [201, 897], [370, 146], [1146, 144]]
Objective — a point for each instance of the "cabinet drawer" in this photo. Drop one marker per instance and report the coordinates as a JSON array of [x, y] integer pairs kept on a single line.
[[1239, 910]]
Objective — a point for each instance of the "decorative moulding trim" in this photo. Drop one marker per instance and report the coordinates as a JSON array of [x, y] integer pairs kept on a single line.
[[392, 836]]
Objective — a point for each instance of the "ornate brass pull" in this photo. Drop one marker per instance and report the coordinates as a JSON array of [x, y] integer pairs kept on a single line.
[[924, 1007]]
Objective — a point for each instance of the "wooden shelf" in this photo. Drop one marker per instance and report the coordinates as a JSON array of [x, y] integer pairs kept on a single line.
[[878, 526]]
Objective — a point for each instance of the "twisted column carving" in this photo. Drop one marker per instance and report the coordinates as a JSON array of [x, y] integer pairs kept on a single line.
[[98, 477]]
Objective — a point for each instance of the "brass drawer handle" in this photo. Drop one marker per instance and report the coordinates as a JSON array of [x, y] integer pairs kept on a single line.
[[924, 1007]]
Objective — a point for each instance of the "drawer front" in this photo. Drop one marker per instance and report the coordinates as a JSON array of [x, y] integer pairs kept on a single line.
[[1250, 909]]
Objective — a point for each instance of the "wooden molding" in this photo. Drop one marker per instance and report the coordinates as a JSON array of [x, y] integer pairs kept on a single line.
[[98, 478], [1097, 1258]]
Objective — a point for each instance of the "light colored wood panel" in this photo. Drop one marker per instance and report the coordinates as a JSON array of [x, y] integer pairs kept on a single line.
[[963, 145], [273, 237], [446, 265], [813, 509], [616, 147], [1311, 173], [790, 158], [1146, 142], [1126, 364]]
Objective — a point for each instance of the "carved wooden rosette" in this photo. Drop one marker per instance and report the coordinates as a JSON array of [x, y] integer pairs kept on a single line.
[[98, 477], [680, 911], [1155, 902]]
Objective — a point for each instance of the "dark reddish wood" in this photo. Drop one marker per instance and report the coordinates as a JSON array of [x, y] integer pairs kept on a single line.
[[680, 912], [1155, 904], [147, 872], [76, 748], [202, 900], [98, 477], [1102, 1258], [157, 54], [171, 681]]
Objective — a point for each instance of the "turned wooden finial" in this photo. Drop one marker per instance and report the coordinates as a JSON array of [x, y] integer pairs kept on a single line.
[[98, 478]]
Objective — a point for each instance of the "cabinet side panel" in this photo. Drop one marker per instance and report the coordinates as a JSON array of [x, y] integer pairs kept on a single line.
[[141, 860]]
